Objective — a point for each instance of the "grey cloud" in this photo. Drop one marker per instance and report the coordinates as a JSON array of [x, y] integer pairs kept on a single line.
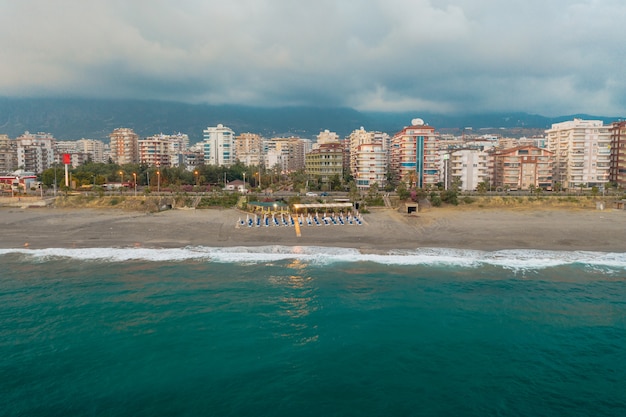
[[457, 55]]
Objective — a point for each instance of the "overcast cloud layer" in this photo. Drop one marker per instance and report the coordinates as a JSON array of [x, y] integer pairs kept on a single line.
[[548, 57]]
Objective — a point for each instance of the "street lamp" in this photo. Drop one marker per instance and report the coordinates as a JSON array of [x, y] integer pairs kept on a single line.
[[158, 182], [196, 174], [122, 177], [244, 182], [135, 181]]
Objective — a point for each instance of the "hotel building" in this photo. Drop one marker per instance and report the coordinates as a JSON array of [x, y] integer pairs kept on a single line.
[[325, 161], [415, 155]]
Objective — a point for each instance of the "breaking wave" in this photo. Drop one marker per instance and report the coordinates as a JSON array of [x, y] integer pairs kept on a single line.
[[514, 259]]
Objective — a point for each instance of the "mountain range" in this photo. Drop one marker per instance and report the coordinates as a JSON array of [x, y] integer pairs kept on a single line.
[[76, 118]]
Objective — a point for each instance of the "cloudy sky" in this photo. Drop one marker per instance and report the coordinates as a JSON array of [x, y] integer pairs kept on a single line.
[[551, 57]]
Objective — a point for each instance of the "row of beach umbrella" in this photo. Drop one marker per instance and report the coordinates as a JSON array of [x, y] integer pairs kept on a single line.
[[309, 220]]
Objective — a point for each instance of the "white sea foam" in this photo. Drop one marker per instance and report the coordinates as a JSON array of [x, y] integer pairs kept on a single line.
[[512, 259]]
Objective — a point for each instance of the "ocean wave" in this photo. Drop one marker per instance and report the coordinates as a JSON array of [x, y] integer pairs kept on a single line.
[[513, 259]]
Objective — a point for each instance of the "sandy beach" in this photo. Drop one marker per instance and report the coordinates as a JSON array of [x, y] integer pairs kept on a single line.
[[384, 229]]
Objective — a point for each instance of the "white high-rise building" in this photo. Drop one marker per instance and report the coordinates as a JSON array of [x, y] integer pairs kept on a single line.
[[369, 157], [219, 146], [582, 152], [35, 152], [469, 166]]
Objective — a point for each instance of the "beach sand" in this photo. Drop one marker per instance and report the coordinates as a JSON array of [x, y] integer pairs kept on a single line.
[[384, 229]]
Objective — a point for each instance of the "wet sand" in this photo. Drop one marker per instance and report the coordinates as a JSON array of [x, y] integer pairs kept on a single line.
[[484, 229]]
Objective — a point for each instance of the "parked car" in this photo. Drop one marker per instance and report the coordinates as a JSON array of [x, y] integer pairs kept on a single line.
[[310, 194], [324, 194]]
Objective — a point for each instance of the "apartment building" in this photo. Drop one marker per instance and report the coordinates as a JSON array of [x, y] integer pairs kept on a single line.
[[35, 152], [617, 170], [8, 154], [523, 168], [219, 146], [124, 146], [155, 151], [371, 163], [467, 167], [325, 161], [70, 147], [353, 144], [287, 153], [415, 155], [249, 149], [95, 148], [582, 152]]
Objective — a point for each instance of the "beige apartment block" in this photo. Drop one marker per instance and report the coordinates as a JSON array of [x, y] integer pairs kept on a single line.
[[155, 151], [286, 153], [249, 149], [124, 146], [582, 152], [523, 168]]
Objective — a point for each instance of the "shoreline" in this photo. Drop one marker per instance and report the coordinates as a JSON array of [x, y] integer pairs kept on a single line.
[[383, 230]]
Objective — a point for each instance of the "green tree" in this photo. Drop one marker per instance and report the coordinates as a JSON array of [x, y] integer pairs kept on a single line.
[[402, 191]]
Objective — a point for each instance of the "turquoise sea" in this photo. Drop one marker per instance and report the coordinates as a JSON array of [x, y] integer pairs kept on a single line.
[[301, 331]]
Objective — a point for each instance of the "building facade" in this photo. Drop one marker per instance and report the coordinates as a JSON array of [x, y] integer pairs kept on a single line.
[[370, 165], [467, 167], [617, 170], [35, 152], [582, 153], [124, 146], [415, 156], [155, 151], [95, 148], [286, 153], [325, 161], [8, 154], [219, 146], [249, 149], [523, 168]]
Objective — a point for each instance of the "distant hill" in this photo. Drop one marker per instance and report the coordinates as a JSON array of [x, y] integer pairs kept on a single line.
[[72, 119]]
